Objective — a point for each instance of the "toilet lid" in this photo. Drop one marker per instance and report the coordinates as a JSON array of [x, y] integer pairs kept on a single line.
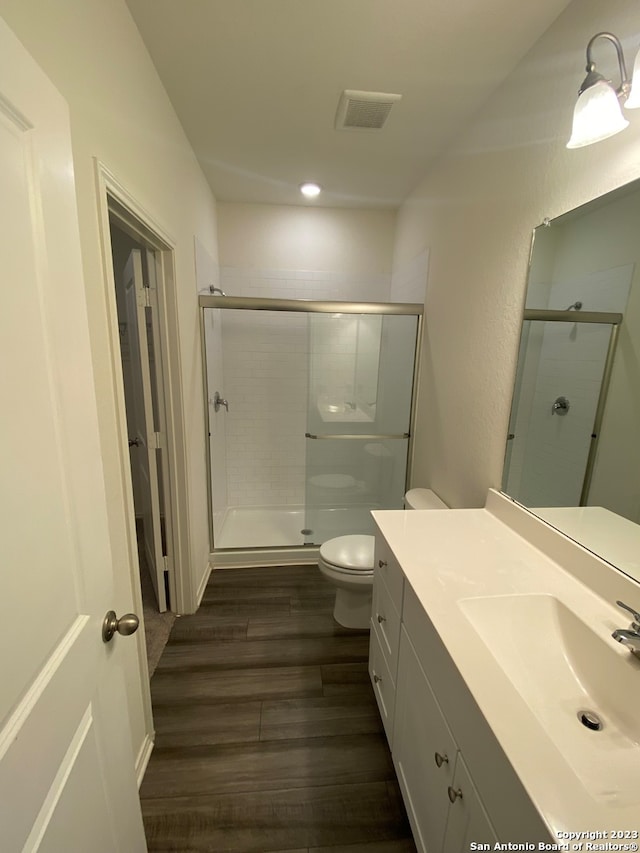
[[353, 552]]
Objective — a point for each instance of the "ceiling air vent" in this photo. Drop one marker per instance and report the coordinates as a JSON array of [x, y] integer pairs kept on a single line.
[[364, 110]]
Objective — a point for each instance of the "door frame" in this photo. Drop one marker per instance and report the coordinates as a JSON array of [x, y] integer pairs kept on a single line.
[[116, 202]]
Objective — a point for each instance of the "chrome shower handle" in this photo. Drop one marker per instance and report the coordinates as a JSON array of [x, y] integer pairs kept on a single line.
[[560, 406], [219, 401]]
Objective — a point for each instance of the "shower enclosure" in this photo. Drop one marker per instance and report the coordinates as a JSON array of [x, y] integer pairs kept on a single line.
[[309, 413], [564, 367]]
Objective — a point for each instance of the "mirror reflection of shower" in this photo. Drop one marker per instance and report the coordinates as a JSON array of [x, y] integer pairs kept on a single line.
[[318, 434]]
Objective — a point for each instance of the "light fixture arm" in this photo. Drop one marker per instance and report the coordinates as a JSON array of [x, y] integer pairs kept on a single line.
[[593, 76]]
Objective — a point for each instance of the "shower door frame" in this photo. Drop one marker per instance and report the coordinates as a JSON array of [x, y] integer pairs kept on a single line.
[[303, 306], [604, 318]]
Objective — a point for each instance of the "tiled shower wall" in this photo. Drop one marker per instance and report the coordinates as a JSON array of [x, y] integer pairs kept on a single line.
[[265, 357]]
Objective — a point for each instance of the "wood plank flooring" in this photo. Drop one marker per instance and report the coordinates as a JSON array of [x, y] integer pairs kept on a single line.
[[268, 738]]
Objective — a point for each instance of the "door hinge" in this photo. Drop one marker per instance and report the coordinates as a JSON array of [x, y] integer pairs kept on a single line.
[[155, 441]]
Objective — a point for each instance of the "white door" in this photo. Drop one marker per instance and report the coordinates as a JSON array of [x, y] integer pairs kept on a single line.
[[144, 450], [66, 765]]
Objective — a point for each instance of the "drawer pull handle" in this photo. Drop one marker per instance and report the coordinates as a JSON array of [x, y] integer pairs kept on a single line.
[[453, 794], [381, 619], [376, 678], [441, 759], [382, 564]]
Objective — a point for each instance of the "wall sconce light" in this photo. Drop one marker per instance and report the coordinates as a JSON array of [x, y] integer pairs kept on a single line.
[[597, 114]]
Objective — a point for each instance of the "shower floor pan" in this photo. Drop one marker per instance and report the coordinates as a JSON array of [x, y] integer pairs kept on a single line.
[[272, 527]]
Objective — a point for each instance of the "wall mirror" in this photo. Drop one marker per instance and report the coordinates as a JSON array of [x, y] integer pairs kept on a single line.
[[573, 447]]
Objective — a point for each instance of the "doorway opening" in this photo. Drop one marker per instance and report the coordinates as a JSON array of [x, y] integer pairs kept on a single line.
[[136, 286]]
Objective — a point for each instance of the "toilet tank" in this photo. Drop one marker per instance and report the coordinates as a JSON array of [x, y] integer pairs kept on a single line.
[[423, 499]]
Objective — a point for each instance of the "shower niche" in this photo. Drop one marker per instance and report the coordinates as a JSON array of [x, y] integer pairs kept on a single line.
[[318, 427]]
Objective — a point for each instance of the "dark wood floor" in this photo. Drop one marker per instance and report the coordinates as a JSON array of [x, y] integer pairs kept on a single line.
[[268, 735]]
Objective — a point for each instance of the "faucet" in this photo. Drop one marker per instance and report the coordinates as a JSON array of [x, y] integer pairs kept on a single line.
[[629, 637]]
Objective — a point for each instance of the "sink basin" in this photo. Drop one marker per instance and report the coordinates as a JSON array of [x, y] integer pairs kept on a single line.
[[560, 667]]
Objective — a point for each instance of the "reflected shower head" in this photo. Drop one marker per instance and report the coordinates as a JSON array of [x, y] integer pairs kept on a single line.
[[576, 305]]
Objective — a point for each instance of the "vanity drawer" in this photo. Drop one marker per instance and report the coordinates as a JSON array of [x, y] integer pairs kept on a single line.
[[384, 687], [386, 566], [385, 623]]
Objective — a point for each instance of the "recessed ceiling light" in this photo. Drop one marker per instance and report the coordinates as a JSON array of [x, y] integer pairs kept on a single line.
[[309, 189]]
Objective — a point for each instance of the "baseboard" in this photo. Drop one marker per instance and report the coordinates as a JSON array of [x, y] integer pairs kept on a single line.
[[203, 583], [255, 557], [143, 758]]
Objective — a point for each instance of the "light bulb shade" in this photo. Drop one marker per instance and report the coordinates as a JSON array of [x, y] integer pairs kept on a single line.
[[633, 101], [597, 115]]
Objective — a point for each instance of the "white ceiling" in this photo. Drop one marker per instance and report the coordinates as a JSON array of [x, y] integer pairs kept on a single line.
[[256, 85]]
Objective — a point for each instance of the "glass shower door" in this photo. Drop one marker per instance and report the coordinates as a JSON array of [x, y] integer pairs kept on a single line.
[[361, 369], [552, 432]]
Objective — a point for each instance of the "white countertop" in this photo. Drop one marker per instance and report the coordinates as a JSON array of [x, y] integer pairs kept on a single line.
[[452, 555]]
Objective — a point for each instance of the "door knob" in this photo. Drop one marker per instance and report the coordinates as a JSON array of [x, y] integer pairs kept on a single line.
[[134, 442], [126, 625]]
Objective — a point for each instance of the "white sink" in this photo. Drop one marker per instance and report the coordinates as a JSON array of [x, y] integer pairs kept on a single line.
[[560, 666]]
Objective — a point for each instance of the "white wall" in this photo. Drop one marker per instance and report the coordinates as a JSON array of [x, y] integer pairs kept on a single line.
[[409, 279], [475, 212], [267, 236], [120, 113]]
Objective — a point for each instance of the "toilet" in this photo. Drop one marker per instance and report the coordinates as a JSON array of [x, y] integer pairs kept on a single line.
[[347, 561]]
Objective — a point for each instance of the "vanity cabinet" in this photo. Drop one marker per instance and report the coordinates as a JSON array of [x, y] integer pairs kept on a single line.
[[385, 632], [457, 784], [444, 808], [467, 820]]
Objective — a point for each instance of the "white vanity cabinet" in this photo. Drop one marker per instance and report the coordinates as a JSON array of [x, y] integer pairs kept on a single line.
[[444, 809], [467, 821], [385, 631], [457, 784]]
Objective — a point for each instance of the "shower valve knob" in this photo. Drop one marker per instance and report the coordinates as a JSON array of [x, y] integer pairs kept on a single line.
[[219, 401], [560, 406]]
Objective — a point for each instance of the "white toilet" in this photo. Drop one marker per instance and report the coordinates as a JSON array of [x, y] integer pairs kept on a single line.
[[347, 561]]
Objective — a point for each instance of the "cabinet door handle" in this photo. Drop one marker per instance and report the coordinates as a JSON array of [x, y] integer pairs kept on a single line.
[[454, 794], [441, 759], [376, 678], [382, 564], [381, 619]]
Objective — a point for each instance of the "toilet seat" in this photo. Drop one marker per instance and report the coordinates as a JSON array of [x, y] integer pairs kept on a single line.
[[347, 562], [351, 554]]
